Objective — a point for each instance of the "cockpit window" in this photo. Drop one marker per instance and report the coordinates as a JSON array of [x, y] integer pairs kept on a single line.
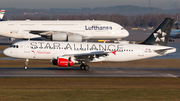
[[14, 46]]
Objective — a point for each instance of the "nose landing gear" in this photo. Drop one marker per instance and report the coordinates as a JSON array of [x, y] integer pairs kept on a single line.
[[26, 63]]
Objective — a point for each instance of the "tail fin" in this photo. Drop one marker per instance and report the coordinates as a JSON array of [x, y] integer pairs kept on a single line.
[[161, 35], [2, 12]]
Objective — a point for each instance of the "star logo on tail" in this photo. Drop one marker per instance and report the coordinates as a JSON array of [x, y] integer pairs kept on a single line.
[[160, 36]]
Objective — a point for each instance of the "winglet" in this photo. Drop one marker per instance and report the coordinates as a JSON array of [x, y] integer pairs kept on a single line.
[[2, 12], [114, 52]]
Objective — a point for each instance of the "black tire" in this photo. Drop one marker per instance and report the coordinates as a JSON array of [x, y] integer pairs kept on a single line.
[[82, 67], [25, 67], [86, 68]]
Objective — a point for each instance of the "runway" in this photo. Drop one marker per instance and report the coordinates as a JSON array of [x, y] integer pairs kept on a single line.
[[93, 72]]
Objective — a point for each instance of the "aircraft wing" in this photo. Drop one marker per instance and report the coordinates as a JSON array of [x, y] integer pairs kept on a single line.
[[37, 32], [48, 33], [59, 35], [92, 56]]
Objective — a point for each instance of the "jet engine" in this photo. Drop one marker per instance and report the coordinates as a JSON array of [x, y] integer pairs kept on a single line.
[[65, 37], [63, 62]]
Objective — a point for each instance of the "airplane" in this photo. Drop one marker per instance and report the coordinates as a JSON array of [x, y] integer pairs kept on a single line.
[[2, 12], [66, 54], [62, 30], [174, 34]]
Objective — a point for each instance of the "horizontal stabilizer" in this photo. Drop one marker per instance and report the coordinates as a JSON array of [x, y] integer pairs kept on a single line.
[[162, 51]]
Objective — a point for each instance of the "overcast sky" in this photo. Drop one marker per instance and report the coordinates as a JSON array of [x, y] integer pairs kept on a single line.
[[164, 4]]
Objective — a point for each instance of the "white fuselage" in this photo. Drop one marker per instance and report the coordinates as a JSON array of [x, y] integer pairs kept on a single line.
[[87, 28], [51, 50]]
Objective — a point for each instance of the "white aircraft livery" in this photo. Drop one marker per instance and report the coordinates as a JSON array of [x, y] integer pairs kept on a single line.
[[66, 54], [62, 30]]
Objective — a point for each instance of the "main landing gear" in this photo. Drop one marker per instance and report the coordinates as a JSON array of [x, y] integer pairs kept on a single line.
[[26, 63], [84, 66]]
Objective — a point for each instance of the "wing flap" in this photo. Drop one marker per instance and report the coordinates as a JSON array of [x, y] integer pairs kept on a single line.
[[98, 53], [42, 33], [92, 56]]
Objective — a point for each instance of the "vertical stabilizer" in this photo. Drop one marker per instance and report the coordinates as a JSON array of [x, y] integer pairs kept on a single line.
[[161, 35]]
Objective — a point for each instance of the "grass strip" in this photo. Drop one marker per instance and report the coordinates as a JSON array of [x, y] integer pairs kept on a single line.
[[88, 89]]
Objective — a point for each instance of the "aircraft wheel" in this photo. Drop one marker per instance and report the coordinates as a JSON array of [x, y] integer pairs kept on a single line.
[[82, 66], [86, 68], [25, 67]]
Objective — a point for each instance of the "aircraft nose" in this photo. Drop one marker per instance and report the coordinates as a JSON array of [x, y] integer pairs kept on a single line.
[[125, 33], [6, 52]]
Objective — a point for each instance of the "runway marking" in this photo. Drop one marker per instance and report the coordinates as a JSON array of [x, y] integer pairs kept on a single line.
[[119, 71], [172, 75], [123, 72], [168, 75], [85, 76]]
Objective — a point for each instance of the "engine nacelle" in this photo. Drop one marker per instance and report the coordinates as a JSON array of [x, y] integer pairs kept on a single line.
[[64, 37], [59, 36], [64, 62], [75, 38]]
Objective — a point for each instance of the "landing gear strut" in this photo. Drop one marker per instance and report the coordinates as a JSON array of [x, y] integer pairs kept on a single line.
[[26, 63], [84, 66]]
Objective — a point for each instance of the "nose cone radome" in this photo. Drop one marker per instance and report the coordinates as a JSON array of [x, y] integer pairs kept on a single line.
[[125, 33], [6, 52]]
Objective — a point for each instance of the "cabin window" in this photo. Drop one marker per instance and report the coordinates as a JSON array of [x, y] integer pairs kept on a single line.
[[27, 24]]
